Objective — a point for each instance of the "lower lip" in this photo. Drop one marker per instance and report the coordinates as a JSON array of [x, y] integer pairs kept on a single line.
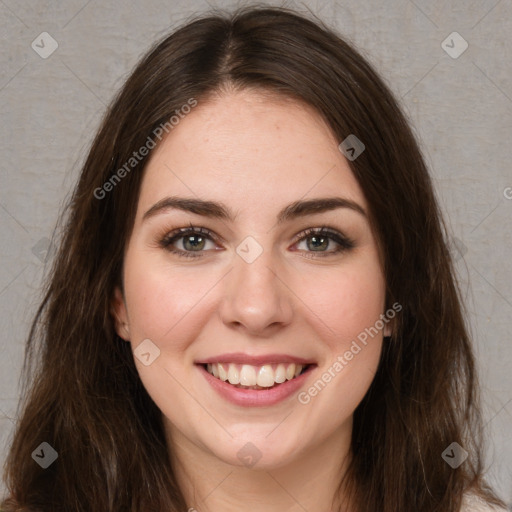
[[256, 397]]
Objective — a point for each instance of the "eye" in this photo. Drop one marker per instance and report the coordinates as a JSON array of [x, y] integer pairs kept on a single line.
[[191, 241], [318, 240]]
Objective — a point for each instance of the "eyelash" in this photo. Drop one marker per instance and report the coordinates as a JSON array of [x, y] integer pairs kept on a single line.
[[344, 243]]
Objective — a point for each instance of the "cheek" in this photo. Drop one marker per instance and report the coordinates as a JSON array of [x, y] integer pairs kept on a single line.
[[353, 347], [346, 307], [165, 306], [346, 301]]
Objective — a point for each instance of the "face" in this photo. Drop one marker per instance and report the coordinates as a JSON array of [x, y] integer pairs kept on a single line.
[[235, 279]]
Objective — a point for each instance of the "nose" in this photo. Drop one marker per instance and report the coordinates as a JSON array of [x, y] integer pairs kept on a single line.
[[256, 298]]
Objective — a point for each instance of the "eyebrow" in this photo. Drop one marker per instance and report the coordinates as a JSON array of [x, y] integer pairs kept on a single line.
[[220, 211]]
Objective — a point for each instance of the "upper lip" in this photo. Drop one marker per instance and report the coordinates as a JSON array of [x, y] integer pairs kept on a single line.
[[241, 358]]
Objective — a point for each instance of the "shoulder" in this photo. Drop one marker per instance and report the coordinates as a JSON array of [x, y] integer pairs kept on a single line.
[[473, 503]]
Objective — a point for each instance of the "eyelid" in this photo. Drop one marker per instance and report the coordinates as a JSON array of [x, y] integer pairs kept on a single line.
[[323, 230], [175, 234]]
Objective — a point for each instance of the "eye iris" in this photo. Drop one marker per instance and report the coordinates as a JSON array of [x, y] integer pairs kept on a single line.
[[315, 238], [197, 242]]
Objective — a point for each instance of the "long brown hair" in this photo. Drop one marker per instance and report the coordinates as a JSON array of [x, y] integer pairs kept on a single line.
[[85, 398]]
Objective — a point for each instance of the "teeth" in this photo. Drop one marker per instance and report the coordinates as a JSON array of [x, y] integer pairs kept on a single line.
[[265, 377], [280, 375], [233, 374], [223, 374], [247, 375]]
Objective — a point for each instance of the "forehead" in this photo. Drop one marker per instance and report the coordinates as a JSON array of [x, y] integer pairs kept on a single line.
[[249, 149]]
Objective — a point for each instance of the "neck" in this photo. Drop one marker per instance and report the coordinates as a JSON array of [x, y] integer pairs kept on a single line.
[[309, 482]]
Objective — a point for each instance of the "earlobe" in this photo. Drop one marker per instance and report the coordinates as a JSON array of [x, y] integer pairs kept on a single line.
[[389, 326], [119, 314]]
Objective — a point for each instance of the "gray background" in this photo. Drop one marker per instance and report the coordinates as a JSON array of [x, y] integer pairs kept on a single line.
[[461, 109]]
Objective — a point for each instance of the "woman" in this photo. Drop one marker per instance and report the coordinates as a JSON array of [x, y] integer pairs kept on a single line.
[[197, 353]]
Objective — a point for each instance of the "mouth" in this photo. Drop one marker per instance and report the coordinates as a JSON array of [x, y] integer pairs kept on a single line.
[[251, 377]]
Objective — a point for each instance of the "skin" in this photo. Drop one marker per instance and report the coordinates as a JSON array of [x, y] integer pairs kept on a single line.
[[256, 155]]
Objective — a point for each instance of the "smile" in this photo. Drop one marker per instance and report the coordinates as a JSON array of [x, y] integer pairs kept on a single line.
[[246, 376], [255, 380]]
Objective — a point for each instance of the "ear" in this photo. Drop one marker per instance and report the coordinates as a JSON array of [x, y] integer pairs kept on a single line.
[[120, 315], [388, 329]]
